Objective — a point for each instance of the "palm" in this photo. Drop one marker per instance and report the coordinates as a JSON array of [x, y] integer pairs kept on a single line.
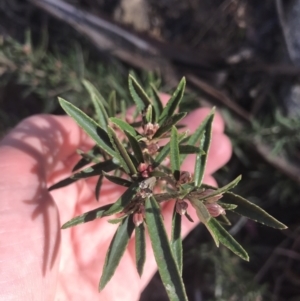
[[69, 267]]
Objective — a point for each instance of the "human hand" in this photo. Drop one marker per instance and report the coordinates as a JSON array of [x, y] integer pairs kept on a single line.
[[38, 260]]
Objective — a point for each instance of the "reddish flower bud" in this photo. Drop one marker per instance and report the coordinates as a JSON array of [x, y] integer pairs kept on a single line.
[[215, 209], [211, 199], [142, 167], [185, 177], [138, 219], [181, 207], [150, 129], [152, 148]]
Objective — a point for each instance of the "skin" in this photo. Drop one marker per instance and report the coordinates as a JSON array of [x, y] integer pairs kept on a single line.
[[39, 261]]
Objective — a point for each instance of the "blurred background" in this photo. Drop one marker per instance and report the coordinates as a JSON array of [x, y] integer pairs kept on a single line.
[[242, 56]]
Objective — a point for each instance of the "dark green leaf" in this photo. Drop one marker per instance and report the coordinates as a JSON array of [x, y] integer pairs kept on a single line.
[[112, 104], [202, 158], [156, 102], [173, 103], [222, 219], [227, 206], [98, 101], [95, 170], [196, 136], [62, 183], [121, 152], [140, 248], [204, 217], [87, 158], [88, 125], [93, 91], [226, 239], [189, 149], [189, 217], [86, 217], [124, 200], [116, 220], [252, 211], [124, 126], [135, 147], [139, 96], [164, 152], [166, 263], [98, 187], [149, 115], [117, 180], [176, 241], [116, 250], [167, 125], [174, 153]]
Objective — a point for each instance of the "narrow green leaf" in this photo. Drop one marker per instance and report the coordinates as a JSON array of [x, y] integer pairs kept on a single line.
[[173, 103], [124, 200], [117, 180], [252, 211], [116, 220], [189, 217], [95, 170], [98, 187], [86, 217], [138, 94], [149, 117], [226, 239], [227, 206], [112, 104], [167, 125], [97, 100], [166, 263], [222, 219], [196, 136], [140, 248], [174, 153], [202, 158], [204, 217], [223, 189], [138, 153], [89, 157], [123, 109], [156, 102], [88, 125], [116, 250], [164, 152], [121, 152], [189, 149], [93, 91], [62, 183], [124, 126], [176, 241]]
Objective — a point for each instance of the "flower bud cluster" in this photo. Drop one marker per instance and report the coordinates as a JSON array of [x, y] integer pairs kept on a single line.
[[150, 129], [145, 169]]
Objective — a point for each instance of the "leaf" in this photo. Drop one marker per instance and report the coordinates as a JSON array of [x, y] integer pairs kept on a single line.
[[164, 152], [138, 153], [98, 102], [62, 183], [173, 103], [140, 248], [174, 153], [138, 94], [86, 217], [117, 180], [176, 241], [148, 115], [222, 219], [98, 187], [204, 217], [88, 125], [166, 263], [226, 239], [95, 170], [124, 200], [252, 211], [124, 126], [223, 189], [202, 158], [195, 137], [156, 102], [112, 104], [93, 91], [167, 125], [189, 149], [121, 152], [87, 158], [116, 250]]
